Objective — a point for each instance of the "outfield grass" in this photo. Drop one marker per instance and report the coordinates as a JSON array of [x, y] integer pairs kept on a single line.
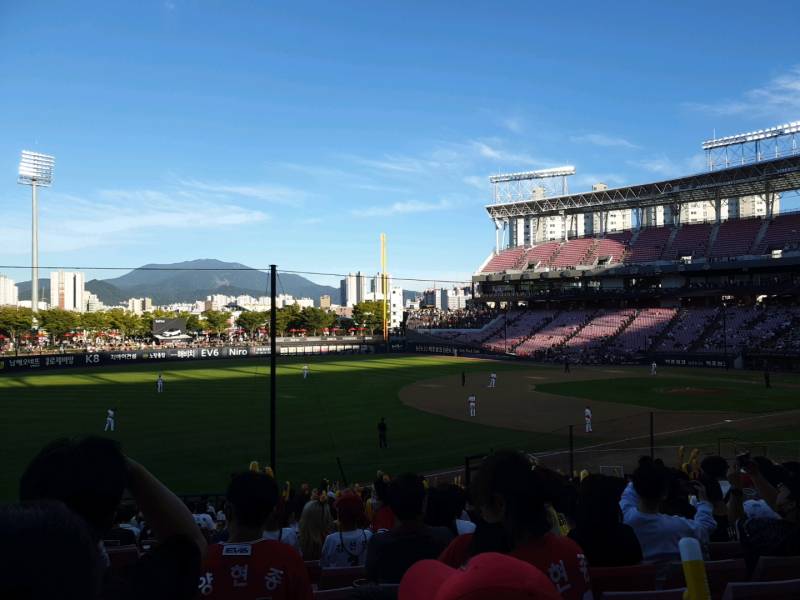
[[691, 391], [210, 421]]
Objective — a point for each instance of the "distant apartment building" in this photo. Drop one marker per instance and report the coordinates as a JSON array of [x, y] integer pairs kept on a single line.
[[92, 302], [9, 294], [325, 301], [66, 290], [353, 289], [139, 306]]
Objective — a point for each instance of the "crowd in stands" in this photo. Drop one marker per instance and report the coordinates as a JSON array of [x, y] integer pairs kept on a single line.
[[91, 523], [472, 317], [623, 334]]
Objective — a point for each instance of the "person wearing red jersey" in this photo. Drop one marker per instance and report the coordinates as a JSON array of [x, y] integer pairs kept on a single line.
[[249, 567], [515, 522]]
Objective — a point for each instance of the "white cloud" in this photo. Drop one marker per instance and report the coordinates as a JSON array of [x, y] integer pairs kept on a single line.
[[779, 98], [667, 167], [400, 208], [494, 152], [603, 140], [513, 124], [261, 191], [478, 182], [116, 218]]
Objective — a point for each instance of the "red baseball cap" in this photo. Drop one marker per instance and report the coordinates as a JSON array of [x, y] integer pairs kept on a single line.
[[488, 576]]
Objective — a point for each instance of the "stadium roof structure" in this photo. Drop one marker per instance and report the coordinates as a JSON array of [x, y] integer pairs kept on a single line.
[[760, 178]]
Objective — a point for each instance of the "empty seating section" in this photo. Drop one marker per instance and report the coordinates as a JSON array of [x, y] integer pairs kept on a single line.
[[542, 253], [690, 240], [608, 247], [572, 253], [554, 333], [783, 232], [735, 237], [507, 259], [518, 330], [601, 328], [649, 245], [640, 333], [687, 329]]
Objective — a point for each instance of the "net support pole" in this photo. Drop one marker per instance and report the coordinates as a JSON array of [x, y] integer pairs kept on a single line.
[[571, 451], [273, 358], [652, 436]]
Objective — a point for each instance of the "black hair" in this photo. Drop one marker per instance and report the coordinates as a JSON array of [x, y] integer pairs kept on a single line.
[[444, 506], [509, 474], [406, 496], [774, 474], [598, 502], [87, 474], [650, 480], [714, 467], [47, 552], [381, 490], [253, 496]]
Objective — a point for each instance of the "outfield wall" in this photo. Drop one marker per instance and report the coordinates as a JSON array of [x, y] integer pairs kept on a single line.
[[39, 362]]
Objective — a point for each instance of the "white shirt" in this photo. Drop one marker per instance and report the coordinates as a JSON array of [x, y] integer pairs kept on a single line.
[[587, 414], [287, 536], [334, 555], [659, 534], [464, 526], [471, 400], [204, 521], [759, 509], [110, 414]]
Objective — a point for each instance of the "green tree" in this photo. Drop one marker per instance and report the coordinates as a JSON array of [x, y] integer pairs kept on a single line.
[[369, 314], [57, 322], [316, 319], [127, 323], [193, 323], [251, 320], [14, 321], [93, 323], [216, 321]]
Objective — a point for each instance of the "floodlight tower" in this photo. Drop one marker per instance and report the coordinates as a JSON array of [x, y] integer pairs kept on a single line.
[[35, 169]]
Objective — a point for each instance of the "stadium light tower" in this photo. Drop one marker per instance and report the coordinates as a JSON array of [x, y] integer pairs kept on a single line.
[[35, 169]]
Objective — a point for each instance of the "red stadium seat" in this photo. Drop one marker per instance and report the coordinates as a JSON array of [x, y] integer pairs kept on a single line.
[[336, 578], [613, 579], [718, 572], [122, 556], [676, 594], [787, 589], [773, 568], [314, 570]]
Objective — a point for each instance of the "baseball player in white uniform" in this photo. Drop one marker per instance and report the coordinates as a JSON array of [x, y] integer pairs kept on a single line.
[[587, 417], [492, 380], [305, 371], [653, 368], [160, 384], [472, 405], [111, 417]]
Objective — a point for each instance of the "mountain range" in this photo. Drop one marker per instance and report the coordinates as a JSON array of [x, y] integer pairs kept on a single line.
[[189, 281], [193, 280]]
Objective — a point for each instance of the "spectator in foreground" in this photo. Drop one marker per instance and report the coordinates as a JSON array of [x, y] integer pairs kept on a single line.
[[599, 530], [445, 507], [315, 524], [382, 515], [659, 533], [348, 546], [248, 566], [515, 521], [276, 528], [47, 553], [489, 575], [89, 476], [766, 536], [391, 553]]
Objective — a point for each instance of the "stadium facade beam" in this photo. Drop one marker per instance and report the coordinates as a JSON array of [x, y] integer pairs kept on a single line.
[[757, 179]]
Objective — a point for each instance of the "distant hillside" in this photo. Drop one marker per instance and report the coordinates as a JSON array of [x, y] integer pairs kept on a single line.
[[192, 280]]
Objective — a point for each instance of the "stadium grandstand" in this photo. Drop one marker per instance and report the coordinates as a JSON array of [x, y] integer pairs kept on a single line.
[[706, 264]]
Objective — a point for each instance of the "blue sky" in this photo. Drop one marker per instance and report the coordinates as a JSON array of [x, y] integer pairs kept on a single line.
[[295, 133]]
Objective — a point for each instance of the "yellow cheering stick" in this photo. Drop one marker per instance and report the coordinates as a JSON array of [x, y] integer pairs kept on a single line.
[[694, 570]]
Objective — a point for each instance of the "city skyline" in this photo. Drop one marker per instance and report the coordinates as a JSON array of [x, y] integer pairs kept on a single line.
[[296, 137]]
